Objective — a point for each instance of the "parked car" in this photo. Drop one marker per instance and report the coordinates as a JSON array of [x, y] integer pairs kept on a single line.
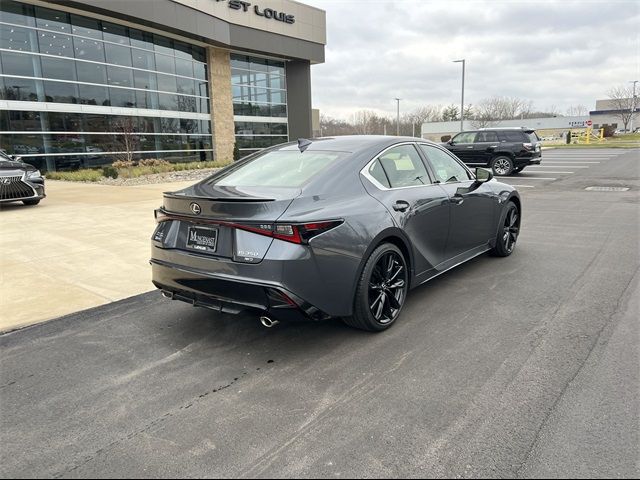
[[334, 227], [19, 181], [505, 150]]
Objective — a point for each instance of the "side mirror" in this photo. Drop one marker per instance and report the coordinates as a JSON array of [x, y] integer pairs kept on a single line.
[[16, 158], [483, 175]]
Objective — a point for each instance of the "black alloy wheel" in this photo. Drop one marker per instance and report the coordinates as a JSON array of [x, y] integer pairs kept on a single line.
[[508, 232], [381, 291], [502, 166]]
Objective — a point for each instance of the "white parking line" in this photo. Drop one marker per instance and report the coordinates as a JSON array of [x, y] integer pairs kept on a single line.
[[557, 166], [544, 171], [521, 177], [572, 163], [522, 186]]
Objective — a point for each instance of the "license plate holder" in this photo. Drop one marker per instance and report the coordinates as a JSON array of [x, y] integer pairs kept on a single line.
[[202, 239]]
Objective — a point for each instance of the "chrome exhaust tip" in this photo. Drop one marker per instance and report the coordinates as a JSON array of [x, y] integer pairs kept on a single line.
[[267, 322], [168, 295]]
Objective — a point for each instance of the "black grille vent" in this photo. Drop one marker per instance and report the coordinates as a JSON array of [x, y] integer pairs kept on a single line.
[[13, 188]]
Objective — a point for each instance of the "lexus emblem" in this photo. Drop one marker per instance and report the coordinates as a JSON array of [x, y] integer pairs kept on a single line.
[[195, 208], [5, 181]]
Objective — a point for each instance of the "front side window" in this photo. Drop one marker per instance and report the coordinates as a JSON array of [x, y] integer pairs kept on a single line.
[[446, 168], [280, 168], [464, 137], [403, 167]]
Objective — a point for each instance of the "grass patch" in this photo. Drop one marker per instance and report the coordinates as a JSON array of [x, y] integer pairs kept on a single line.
[[77, 176]]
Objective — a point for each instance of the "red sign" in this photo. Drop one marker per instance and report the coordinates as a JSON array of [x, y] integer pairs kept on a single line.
[[589, 123]]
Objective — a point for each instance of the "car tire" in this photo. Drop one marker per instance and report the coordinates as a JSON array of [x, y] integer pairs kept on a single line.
[[385, 276], [31, 202], [508, 231], [502, 166]]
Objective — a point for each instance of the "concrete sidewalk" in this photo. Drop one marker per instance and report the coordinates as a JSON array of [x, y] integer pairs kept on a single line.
[[84, 245]]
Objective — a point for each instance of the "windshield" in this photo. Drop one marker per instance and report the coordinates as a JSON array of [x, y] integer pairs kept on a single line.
[[280, 168]]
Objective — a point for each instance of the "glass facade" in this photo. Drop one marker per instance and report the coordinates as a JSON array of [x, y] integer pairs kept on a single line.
[[90, 72], [259, 102]]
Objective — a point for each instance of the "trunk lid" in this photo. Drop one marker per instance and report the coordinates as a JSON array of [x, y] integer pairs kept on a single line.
[[244, 204], [205, 215]]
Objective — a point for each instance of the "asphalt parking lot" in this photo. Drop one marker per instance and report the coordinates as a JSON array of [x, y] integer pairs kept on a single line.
[[519, 367]]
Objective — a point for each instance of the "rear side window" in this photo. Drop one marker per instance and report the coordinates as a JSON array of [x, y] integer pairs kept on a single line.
[[280, 168], [403, 167], [512, 136], [485, 137], [533, 137], [377, 172]]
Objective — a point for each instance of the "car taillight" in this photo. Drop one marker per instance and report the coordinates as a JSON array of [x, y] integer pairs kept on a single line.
[[528, 146], [299, 233], [161, 216]]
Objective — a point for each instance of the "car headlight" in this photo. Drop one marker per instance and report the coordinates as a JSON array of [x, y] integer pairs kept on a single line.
[[34, 174]]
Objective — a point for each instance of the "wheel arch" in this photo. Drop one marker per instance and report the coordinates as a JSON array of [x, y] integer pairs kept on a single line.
[[396, 237]]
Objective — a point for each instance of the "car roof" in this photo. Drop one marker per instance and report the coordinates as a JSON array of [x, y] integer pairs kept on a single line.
[[351, 143], [524, 129]]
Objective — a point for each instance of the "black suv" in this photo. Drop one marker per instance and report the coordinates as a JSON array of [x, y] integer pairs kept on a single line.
[[505, 150]]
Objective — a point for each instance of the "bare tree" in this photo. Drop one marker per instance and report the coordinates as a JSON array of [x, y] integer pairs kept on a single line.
[[576, 111], [490, 111], [623, 103], [127, 139], [364, 122]]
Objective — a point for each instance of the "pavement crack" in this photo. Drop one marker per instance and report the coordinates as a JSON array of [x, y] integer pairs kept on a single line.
[[150, 425], [622, 299]]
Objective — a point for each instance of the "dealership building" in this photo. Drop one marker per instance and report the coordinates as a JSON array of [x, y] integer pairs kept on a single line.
[[86, 82]]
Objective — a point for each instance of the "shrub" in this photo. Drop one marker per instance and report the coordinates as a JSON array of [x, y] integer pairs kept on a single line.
[[123, 164], [236, 152], [110, 172], [153, 162], [569, 137], [77, 176]]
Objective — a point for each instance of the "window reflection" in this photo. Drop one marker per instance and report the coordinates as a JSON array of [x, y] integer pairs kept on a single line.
[[71, 59]]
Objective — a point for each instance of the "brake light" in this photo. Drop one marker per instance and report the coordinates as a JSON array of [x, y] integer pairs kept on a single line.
[[528, 146], [299, 233]]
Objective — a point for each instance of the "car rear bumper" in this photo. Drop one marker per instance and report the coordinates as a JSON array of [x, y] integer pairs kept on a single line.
[[291, 283], [203, 289], [524, 161]]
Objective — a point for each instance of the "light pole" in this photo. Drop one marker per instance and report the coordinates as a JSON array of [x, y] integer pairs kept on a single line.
[[633, 104], [463, 61], [398, 118]]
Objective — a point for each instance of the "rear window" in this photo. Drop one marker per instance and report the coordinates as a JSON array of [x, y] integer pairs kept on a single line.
[[280, 168]]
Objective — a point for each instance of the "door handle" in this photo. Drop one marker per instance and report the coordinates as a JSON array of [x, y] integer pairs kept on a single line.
[[457, 199], [400, 206], [470, 146]]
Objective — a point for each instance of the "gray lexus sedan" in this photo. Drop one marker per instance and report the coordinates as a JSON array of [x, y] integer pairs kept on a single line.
[[19, 181], [330, 227]]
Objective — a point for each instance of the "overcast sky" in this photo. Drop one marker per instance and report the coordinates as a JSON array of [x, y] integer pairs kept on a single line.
[[554, 53]]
